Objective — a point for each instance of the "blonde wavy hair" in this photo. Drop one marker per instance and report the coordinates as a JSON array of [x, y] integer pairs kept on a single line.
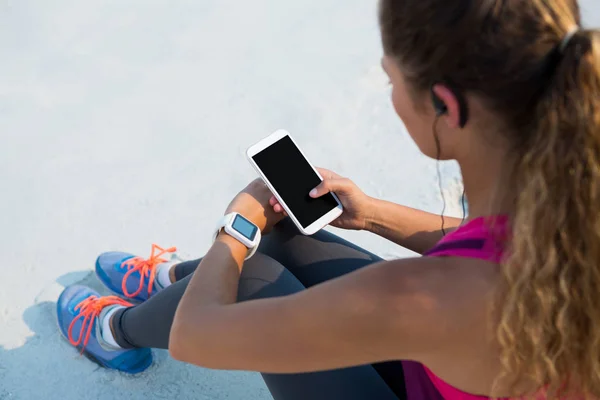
[[509, 53]]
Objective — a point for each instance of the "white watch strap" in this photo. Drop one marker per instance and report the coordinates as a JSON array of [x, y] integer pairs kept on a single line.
[[252, 250], [226, 220], [222, 222]]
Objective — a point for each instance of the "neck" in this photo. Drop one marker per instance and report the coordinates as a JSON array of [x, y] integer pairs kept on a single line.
[[486, 176]]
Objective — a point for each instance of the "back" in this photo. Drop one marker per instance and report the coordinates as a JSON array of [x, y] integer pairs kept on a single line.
[[476, 248]]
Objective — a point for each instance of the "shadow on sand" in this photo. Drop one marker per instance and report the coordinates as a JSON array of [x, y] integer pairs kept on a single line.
[[45, 366]]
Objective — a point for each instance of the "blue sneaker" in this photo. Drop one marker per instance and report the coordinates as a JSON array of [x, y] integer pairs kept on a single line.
[[80, 311], [131, 276]]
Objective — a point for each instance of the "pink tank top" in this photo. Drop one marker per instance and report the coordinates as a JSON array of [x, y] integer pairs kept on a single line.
[[482, 238]]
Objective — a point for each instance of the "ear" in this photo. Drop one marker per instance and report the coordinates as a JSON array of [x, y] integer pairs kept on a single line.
[[454, 110]]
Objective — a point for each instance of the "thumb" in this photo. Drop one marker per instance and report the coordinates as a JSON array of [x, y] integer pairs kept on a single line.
[[338, 185]]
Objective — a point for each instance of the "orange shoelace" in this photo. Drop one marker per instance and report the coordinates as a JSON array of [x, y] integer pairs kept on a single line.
[[90, 309], [146, 268]]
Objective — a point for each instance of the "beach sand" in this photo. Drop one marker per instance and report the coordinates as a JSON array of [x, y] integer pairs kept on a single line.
[[124, 124]]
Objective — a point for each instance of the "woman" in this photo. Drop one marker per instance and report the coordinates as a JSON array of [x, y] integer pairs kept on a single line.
[[505, 305]]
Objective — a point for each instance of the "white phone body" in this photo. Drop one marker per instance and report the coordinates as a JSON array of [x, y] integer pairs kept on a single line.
[[320, 223]]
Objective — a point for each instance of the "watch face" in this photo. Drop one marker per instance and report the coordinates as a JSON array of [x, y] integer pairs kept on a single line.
[[244, 227]]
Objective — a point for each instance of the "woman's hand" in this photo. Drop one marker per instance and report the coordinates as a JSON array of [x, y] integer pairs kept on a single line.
[[253, 204], [357, 205]]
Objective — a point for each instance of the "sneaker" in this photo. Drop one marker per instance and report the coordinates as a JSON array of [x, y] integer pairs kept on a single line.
[[80, 312], [131, 276]]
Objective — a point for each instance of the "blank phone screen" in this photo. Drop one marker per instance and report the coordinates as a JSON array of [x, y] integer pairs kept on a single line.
[[293, 178]]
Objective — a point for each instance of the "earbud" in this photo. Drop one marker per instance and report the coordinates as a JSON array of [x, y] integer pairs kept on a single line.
[[438, 104], [441, 108]]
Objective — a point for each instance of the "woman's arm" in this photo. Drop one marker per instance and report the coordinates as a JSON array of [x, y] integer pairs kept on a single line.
[[416, 230], [402, 309], [413, 229]]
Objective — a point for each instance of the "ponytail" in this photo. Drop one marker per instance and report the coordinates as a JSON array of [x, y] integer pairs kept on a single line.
[[549, 320]]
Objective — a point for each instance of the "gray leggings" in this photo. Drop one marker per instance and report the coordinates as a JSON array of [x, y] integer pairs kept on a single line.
[[286, 263]]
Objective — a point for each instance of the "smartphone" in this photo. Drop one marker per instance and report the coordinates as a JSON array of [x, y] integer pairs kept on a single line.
[[290, 176]]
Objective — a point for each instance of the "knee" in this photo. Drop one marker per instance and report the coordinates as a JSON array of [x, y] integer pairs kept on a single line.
[[283, 232], [263, 277]]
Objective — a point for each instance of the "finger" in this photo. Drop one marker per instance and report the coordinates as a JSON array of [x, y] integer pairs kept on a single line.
[[278, 208], [273, 200], [327, 174], [341, 186]]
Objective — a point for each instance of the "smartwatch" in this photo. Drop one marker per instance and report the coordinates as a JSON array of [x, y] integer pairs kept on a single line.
[[242, 229]]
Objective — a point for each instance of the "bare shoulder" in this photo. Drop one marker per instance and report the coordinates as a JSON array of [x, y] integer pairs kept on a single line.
[[435, 298], [446, 278]]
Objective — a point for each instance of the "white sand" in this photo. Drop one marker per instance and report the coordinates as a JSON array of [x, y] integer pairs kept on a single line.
[[124, 123]]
